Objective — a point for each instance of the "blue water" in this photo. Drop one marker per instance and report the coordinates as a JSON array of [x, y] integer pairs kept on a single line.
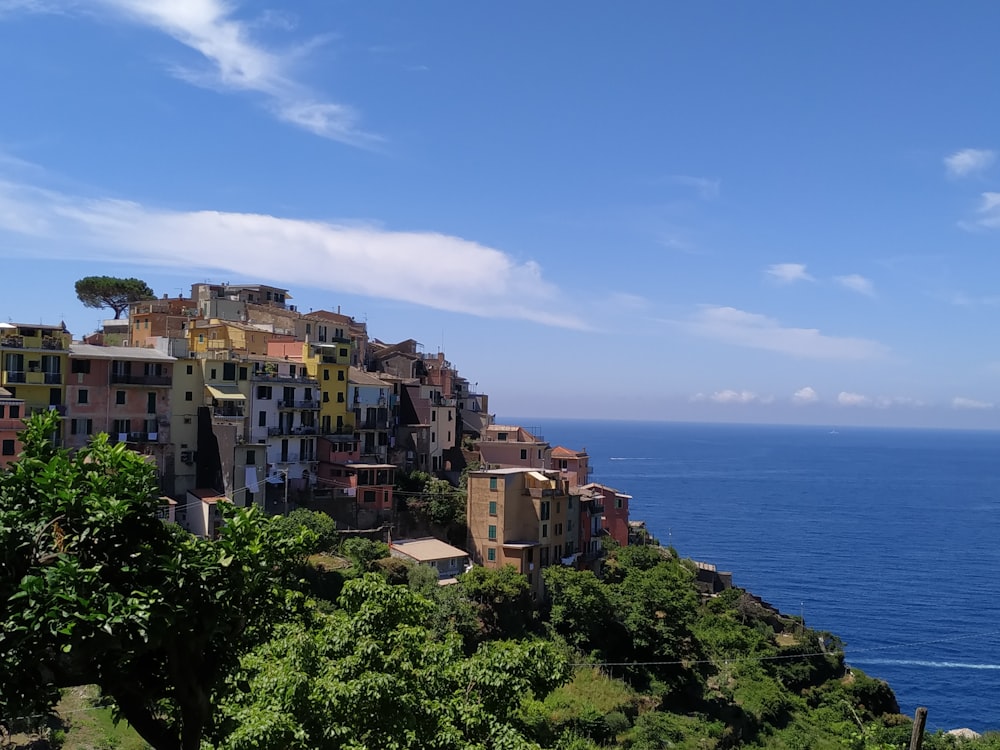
[[888, 538]]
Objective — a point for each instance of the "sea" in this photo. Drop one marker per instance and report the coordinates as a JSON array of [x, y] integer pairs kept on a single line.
[[888, 538]]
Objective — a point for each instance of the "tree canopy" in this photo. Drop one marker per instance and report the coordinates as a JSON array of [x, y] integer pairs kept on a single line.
[[113, 292], [94, 589]]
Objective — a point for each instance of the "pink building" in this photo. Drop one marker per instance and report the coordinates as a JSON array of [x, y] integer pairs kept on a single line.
[[573, 465], [125, 392], [615, 511], [11, 414]]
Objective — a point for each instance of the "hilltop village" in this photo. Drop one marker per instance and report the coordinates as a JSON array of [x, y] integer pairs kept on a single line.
[[236, 396]]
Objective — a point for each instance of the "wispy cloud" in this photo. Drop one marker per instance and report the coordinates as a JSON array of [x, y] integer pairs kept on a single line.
[[970, 403], [856, 283], [739, 397], [706, 188], [805, 395], [628, 301], [888, 402], [846, 398], [754, 331], [961, 299], [969, 161], [987, 215], [236, 61], [788, 273], [480, 280]]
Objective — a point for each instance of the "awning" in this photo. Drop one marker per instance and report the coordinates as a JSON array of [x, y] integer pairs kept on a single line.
[[225, 393], [549, 482]]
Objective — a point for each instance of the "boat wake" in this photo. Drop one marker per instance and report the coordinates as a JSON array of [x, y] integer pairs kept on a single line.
[[920, 663]]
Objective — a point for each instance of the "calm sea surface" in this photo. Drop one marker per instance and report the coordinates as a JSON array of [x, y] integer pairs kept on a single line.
[[888, 538]]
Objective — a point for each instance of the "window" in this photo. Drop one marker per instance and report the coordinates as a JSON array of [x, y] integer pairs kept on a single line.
[[213, 373], [493, 483], [251, 457], [243, 373], [557, 506], [326, 397], [151, 404], [8, 448], [190, 369], [545, 531], [569, 503], [539, 452], [343, 352], [15, 411], [83, 396], [188, 396], [340, 397], [543, 556], [264, 392], [491, 554], [326, 374], [262, 419], [524, 454], [569, 525], [546, 508], [493, 507], [618, 503], [491, 533], [340, 374], [80, 365], [502, 436], [119, 397], [369, 496], [229, 371], [1, 411]]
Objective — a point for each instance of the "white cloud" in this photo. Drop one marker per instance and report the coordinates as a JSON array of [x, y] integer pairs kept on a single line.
[[738, 397], [425, 268], [988, 213], [887, 402], [805, 395], [969, 161], [236, 61], [788, 273], [755, 331], [970, 403], [707, 189], [628, 300], [856, 283], [845, 398]]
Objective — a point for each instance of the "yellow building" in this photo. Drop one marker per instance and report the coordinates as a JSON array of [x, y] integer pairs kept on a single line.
[[34, 361], [328, 363], [521, 517], [209, 337]]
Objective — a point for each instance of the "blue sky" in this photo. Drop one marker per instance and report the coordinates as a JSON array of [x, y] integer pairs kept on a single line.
[[736, 212]]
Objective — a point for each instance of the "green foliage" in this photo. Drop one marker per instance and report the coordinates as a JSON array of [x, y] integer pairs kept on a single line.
[[319, 524], [371, 677], [113, 292], [94, 589], [394, 570], [503, 599], [364, 552], [581, 606], [436, 502]]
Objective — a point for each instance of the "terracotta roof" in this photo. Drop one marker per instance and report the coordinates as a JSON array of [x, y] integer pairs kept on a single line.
[[561, 452]]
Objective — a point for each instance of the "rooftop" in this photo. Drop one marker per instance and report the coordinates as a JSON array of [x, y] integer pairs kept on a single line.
[[427, 548], [133, 353]]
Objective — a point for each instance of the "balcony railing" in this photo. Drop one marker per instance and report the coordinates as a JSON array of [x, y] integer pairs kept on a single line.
[[289, 458], [287, 430], [373, 424], [269, 377], [12, 342], [143, 437], [298, 404], [125, 379], [16, 376], [228, 414]]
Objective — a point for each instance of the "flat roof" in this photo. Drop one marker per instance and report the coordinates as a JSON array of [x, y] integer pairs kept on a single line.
[[209, 496], [519, 545], [134, 353], [510, 470], [427, 548]]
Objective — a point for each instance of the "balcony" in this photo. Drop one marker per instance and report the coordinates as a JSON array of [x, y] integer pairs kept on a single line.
[[143, 437], [373, 424], [52, 343], [35, 377], [288, 430], [299, 404], [11, 425], [15, 376], [272, 377], [228, 414], [289, 458], [12, 342], [151, 380]]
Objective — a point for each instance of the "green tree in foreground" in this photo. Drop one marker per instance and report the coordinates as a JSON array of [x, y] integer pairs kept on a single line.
[[94, 589], [369, 677], [113, 292]]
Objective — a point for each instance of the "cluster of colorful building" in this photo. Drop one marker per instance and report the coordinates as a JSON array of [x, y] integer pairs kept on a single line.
[[236, 396]]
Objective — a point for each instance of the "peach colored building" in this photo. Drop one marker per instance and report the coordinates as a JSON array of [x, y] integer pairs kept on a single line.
[[509, 446], [160, 318], [522, 517], [574, 465]]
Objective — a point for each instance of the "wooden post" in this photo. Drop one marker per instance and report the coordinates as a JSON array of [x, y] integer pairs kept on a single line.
[[919, 722]]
